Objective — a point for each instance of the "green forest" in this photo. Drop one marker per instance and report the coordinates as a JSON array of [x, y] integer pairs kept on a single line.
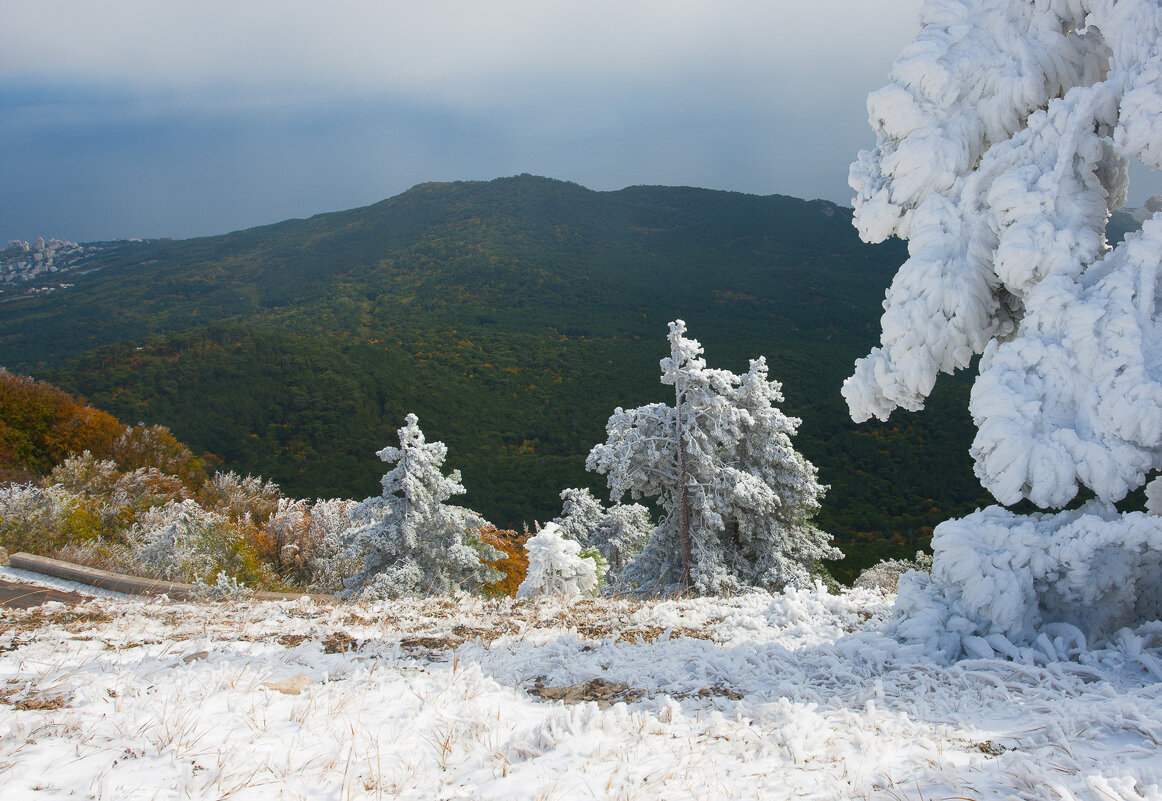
[[512, 317]]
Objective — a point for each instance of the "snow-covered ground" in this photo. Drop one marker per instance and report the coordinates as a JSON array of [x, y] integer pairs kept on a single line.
[[795, 696]]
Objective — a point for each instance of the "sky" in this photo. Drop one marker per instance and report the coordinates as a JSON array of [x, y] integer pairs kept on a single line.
[[142, 118]]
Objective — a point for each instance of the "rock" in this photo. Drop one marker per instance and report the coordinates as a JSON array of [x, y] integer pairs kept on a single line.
[[604, 693], [292, 686]]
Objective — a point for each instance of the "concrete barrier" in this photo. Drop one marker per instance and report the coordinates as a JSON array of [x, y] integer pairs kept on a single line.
[[133, 585]]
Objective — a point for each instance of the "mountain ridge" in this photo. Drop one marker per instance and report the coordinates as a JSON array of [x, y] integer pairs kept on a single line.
[[512, 316]]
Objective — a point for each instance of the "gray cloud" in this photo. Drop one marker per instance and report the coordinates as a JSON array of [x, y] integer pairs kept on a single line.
[[147, 118]]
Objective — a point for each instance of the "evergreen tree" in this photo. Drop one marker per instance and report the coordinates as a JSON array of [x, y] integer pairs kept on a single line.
[[618, 533], [738, 499], [1003, 144], [412, 541]]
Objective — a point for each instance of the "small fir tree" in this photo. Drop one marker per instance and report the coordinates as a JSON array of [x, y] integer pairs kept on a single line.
[[410, 539], [738, 499], [618, 533]]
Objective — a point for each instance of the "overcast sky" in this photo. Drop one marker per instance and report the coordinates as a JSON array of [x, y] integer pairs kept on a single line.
[[145, 118]]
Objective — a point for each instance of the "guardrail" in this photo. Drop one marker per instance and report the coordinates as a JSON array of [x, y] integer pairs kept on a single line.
[[134, 585]]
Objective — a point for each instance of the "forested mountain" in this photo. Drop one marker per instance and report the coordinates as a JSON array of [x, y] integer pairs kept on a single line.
[[511, 316]]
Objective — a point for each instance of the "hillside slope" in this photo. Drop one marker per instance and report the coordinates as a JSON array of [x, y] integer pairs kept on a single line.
[[511, 316]]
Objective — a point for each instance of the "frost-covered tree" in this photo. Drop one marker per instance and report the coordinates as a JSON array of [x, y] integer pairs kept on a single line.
[[412, 541], [1002, 144], [618, 533], [558, 566], [581, 514], [738, 499]]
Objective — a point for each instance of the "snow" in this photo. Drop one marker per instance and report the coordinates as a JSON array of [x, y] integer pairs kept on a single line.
[[1002, 145], [802, 694]]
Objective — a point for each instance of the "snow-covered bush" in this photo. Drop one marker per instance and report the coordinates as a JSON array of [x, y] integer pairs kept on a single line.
[[738, 498], [251, 499], [1002, 144], [557, 566], [1007, 579], [618, 533], [86, 474], [513, 563], [410, 540], [621, 535], [224, 588], [119, 496], [43, 519], [312, 543], [184, 542], [581, 514], [155, 446], [885, 575]]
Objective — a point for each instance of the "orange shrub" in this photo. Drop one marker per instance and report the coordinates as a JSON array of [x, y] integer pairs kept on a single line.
[[514, 564]]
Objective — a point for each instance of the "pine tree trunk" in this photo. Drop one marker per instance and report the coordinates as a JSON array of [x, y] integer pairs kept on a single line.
[[684, 520], [683, 496]]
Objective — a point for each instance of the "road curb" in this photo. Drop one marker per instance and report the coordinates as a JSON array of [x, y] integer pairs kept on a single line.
[[134, 585]]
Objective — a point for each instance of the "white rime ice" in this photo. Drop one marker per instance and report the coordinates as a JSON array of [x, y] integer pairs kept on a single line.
[[409, 539], [737, 497], [1003, 142], [556, 566]]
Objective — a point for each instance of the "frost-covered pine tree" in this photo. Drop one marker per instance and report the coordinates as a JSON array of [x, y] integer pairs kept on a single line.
[[619, 533], [581, 514], [1002, 145], [410, 540], [738, 499]]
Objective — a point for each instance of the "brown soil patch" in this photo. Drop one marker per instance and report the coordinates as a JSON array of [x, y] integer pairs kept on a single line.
[[431, 643], [291, 640], [339, 642], [72, 621], [604, 693]]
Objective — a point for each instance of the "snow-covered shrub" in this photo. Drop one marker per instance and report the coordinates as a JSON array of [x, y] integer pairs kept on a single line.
[[155, 446], [185, 542], [513, 565], [1002, 145], [557, 566], [885, 575], [618, 533], [144, 488], [86, 474], [738, 498], [118, 496], [410, 541], [621, 535], [312, 543], [284, 540], [250, 499], [224, 588], [43, 519], [1089, 571], [581, 514]]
